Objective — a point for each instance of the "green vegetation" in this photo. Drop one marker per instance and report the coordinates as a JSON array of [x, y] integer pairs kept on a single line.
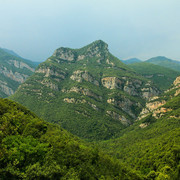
[[31, 148], [131, 61], [10, 74], [85, 111], [153, 150], [165, 62], [163, 77]]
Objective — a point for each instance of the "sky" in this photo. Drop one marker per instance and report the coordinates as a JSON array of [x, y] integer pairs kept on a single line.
[[132, 28]]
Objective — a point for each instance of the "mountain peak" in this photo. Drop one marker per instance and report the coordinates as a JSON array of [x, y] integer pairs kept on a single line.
[[95, 49]]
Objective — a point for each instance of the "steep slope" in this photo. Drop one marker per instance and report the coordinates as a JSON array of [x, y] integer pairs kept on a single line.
[[131, 61], [152, 144], [161, 76], [13, 71], [31, 148], [88, 91], [165, 62]]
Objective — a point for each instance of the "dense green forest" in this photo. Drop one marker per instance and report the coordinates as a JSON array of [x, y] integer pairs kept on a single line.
[[163, 77], [154, 149], [122, 125], [88, 91], [31, 148], [165, 62]]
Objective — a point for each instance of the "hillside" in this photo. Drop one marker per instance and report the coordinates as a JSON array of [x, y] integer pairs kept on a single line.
[[131, 61], [165, 62], [161, 76], [14, 70], [31, 148], [87, 91], [152, 144]]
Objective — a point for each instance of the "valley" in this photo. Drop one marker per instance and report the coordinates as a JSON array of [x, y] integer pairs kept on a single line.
[[84, 114]]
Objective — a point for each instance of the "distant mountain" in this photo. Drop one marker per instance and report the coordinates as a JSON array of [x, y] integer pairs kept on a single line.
[[163, 77], [88, 91], [152, 145], [31, 148], [131, 61], [165, 62], [14, 70], [10, 52]]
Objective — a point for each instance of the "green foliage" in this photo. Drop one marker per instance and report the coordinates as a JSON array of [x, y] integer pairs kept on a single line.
[[153, 150], [163, 77], [79, 118], [9, 68], [33, 149], [165, 62]]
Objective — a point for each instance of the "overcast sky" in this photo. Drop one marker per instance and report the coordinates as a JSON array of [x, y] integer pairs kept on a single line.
[[132, 28]]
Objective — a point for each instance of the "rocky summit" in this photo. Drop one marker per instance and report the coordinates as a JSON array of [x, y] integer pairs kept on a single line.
[[14, 70], [88, 91]]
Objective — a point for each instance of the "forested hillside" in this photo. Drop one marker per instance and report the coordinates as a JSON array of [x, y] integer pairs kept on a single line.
[[163, 77], [87, 91], [31, 148], [152, 144], [14, 70]]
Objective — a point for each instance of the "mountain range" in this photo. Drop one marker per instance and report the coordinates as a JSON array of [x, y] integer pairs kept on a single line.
[[14, 70], [151, 145], [161, 76], [159, 60], [87, 91], [103, 119]]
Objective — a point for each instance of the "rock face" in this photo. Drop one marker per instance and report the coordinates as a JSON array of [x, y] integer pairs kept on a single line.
[[65, 54], [79, 76], [155, 106], [111, 82], [89, 91], [13, 71], [119, 117], [177, 82], [132, 86], [15, 76], [5, 89]]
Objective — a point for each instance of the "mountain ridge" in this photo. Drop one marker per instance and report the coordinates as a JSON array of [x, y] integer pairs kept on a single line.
[[87, 83], [13, 70], [151, 145]]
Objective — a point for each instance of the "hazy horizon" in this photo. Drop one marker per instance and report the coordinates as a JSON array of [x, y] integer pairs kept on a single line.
[[132, 28]]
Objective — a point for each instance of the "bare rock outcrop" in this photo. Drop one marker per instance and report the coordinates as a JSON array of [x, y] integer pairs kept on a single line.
[[48, 72], [49, 84], [79, 76], [125, 104], [111, 82], [65, 54], [83, 91], [16, 76], [118, 117], [20, 65], [5, 89], [80, 101], [153, 107]]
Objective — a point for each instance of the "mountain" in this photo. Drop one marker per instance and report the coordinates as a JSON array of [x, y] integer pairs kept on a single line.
[[161, 76], [165, 62], [151, 145], [87, 91], [31, 148], [131, 61], [10, 52], [14, 70]]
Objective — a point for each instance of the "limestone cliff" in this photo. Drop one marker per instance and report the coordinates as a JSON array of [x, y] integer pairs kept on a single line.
[[13, 71], [88, 91], [155, 106]]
